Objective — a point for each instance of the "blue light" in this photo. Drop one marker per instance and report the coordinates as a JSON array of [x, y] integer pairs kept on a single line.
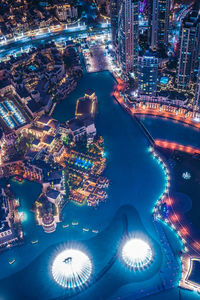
[[164, 80]]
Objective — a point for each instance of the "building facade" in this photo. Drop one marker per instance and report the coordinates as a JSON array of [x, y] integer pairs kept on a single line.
[[66, 11], [128, 35], [197, 91], [159, 12], [189, 49], [147, 74], [114, 14]]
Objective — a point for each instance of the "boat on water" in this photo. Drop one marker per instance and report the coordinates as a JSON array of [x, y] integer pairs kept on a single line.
[[95, 231], [74, 223], [65, 226], [85, 229], [12, 262], [34, 242]]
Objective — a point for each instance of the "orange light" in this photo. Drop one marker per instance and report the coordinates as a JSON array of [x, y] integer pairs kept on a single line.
[[184, 231], [196, 245], [175, 218], [169, 201], [171, 145]]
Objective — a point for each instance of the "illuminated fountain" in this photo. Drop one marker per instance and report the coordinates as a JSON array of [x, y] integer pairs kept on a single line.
[[137, 254], [71, 268], [186, 175]]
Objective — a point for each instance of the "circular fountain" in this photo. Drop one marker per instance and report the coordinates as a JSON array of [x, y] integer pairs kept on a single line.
[[137, 254], [71, 268]]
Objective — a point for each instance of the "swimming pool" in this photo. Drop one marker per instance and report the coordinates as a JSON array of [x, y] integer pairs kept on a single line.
[[83, 163], [164, 80]]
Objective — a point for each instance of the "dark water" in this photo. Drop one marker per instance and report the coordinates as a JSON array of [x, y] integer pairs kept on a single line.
[[170, 130], [135, 177], [195, 274]]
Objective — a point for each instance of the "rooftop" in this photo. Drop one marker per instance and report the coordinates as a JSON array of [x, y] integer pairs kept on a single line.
[[48, 139], [75, 124], [89, 92], [36, 142], [52, 194], [44, 119], [84, 106], [46, 128]]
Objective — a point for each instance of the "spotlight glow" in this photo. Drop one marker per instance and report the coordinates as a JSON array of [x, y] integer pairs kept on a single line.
[[136, 253], [71, 268]]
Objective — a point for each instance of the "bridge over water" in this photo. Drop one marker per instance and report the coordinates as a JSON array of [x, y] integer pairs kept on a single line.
[[145, 130]]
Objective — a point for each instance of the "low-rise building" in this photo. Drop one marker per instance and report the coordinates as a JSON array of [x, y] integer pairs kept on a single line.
[[90, 129], [9, 233], [65, 12], [55, 180], [77, 129], [55, 197], [86, 106], [47, 214]]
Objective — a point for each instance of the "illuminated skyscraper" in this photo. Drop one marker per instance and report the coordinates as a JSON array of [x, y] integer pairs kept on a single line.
[[147, 74], [128, 35], [114, 15], [189, 47], [159, 12], [197, 90], [149, 14]]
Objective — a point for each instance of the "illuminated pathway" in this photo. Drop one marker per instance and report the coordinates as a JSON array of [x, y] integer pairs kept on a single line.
[[179, 114], [176, 146]]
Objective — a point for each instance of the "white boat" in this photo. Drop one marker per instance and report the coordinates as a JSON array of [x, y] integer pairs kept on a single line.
[[65, 226], [12, 262], [85, 229], [34, 242], [74, 223]]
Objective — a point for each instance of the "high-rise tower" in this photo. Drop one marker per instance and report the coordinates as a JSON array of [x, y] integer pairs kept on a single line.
[[128, 35], [147, 74], [159, 12], [189, 49], [197, 90], [114, 15]]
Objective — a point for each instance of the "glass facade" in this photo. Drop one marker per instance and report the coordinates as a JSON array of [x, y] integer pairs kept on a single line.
[[189, 47], [128, 35], [159, 22], [147, 74]]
